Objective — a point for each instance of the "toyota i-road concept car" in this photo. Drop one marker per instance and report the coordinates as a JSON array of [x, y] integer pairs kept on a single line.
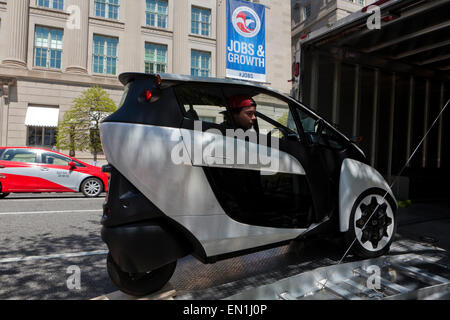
[[184, 181]]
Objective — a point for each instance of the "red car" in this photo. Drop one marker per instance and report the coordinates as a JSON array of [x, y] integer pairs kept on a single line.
[[28, 169]]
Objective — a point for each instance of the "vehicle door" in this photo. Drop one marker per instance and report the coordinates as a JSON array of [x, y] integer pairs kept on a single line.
[[60, 176], [21, 170], [324, 149], [257, 177]]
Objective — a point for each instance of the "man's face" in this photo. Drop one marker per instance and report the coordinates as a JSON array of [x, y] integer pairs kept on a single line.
[[245, 118]]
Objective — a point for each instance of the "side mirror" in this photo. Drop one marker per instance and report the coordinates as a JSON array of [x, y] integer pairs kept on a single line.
[[356, 139], [318, 127], [72, 164]]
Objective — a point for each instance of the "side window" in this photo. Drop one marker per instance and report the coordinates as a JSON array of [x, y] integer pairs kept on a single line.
[[278, 112], [202, 103], [54, 159], [328, 137], [20, 155]]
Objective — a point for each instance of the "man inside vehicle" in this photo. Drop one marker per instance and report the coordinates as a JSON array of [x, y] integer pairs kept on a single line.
[[243, 111]]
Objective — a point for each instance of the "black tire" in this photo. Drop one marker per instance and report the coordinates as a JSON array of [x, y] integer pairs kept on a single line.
[[377, 236], [92, 187], [4, 194], [141, 284]]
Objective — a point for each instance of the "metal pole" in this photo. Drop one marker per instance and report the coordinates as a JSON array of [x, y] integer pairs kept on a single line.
[[441, 124], [425, 123], [314, 82], [356, 100], [391, 128], [336, 91], [375, 117], [410, 118]]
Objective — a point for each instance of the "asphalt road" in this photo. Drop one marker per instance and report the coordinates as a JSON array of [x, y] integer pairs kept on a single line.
[[41, 236], [46, 238]]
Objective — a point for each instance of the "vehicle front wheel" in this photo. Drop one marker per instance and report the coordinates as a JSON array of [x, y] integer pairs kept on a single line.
[[92, 187], [372, 238], [139, 284]]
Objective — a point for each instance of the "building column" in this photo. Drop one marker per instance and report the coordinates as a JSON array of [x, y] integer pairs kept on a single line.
[[77, 35], [4, 110], [221, 36], [181, 52], [16, 31]]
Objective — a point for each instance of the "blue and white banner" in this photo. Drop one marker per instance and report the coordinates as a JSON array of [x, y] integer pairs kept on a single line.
[[246, 41]]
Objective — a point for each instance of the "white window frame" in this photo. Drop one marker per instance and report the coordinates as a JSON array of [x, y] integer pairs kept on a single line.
[[155, 61], [52, 45], [200, 22], [105, 54], [201, 67], [50, 4], [157, 14], [107, 5]]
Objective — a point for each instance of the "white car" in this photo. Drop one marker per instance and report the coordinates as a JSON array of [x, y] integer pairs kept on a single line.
[[173, 192]]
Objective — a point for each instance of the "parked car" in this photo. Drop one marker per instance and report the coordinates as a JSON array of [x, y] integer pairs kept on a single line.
[[28, 169], [167, 201]]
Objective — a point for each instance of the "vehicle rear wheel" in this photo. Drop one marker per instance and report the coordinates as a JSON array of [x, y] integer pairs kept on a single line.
[[372, 238], [92, 187], [139, 284], [3, 194]]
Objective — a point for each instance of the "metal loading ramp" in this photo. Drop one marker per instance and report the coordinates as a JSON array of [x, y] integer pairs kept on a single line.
[[399, 276], [412, 270]]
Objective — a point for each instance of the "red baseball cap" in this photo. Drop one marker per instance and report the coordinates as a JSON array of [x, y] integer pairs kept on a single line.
[[241, 101]]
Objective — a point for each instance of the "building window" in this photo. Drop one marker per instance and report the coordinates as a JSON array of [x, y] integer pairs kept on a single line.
[[201, 21], [41, 136], [200, 63], [155, 58], [53, 4], [107, 9], [105, 55], [156, 13], [48, 46], [307, 11]]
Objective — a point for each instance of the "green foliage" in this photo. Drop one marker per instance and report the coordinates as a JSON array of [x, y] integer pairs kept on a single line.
[[284, 119], [79, 129]]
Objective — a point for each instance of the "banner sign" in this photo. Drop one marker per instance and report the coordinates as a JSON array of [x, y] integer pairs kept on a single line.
[[246, 41]]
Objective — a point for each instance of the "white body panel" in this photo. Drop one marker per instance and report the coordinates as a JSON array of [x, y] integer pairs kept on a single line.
[[259, 157], [356, 177], [180, 190], [70, 179]]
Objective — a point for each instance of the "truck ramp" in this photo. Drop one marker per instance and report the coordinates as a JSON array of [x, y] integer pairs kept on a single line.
[[409, 276], [412, 270]]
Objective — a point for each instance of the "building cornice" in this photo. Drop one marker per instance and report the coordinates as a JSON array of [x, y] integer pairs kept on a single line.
[[156, 31], [201, 39], [106, 23], [50, 76], [39, 11]]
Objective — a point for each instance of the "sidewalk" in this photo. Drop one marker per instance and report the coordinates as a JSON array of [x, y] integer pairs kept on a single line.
[[426, 222]]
